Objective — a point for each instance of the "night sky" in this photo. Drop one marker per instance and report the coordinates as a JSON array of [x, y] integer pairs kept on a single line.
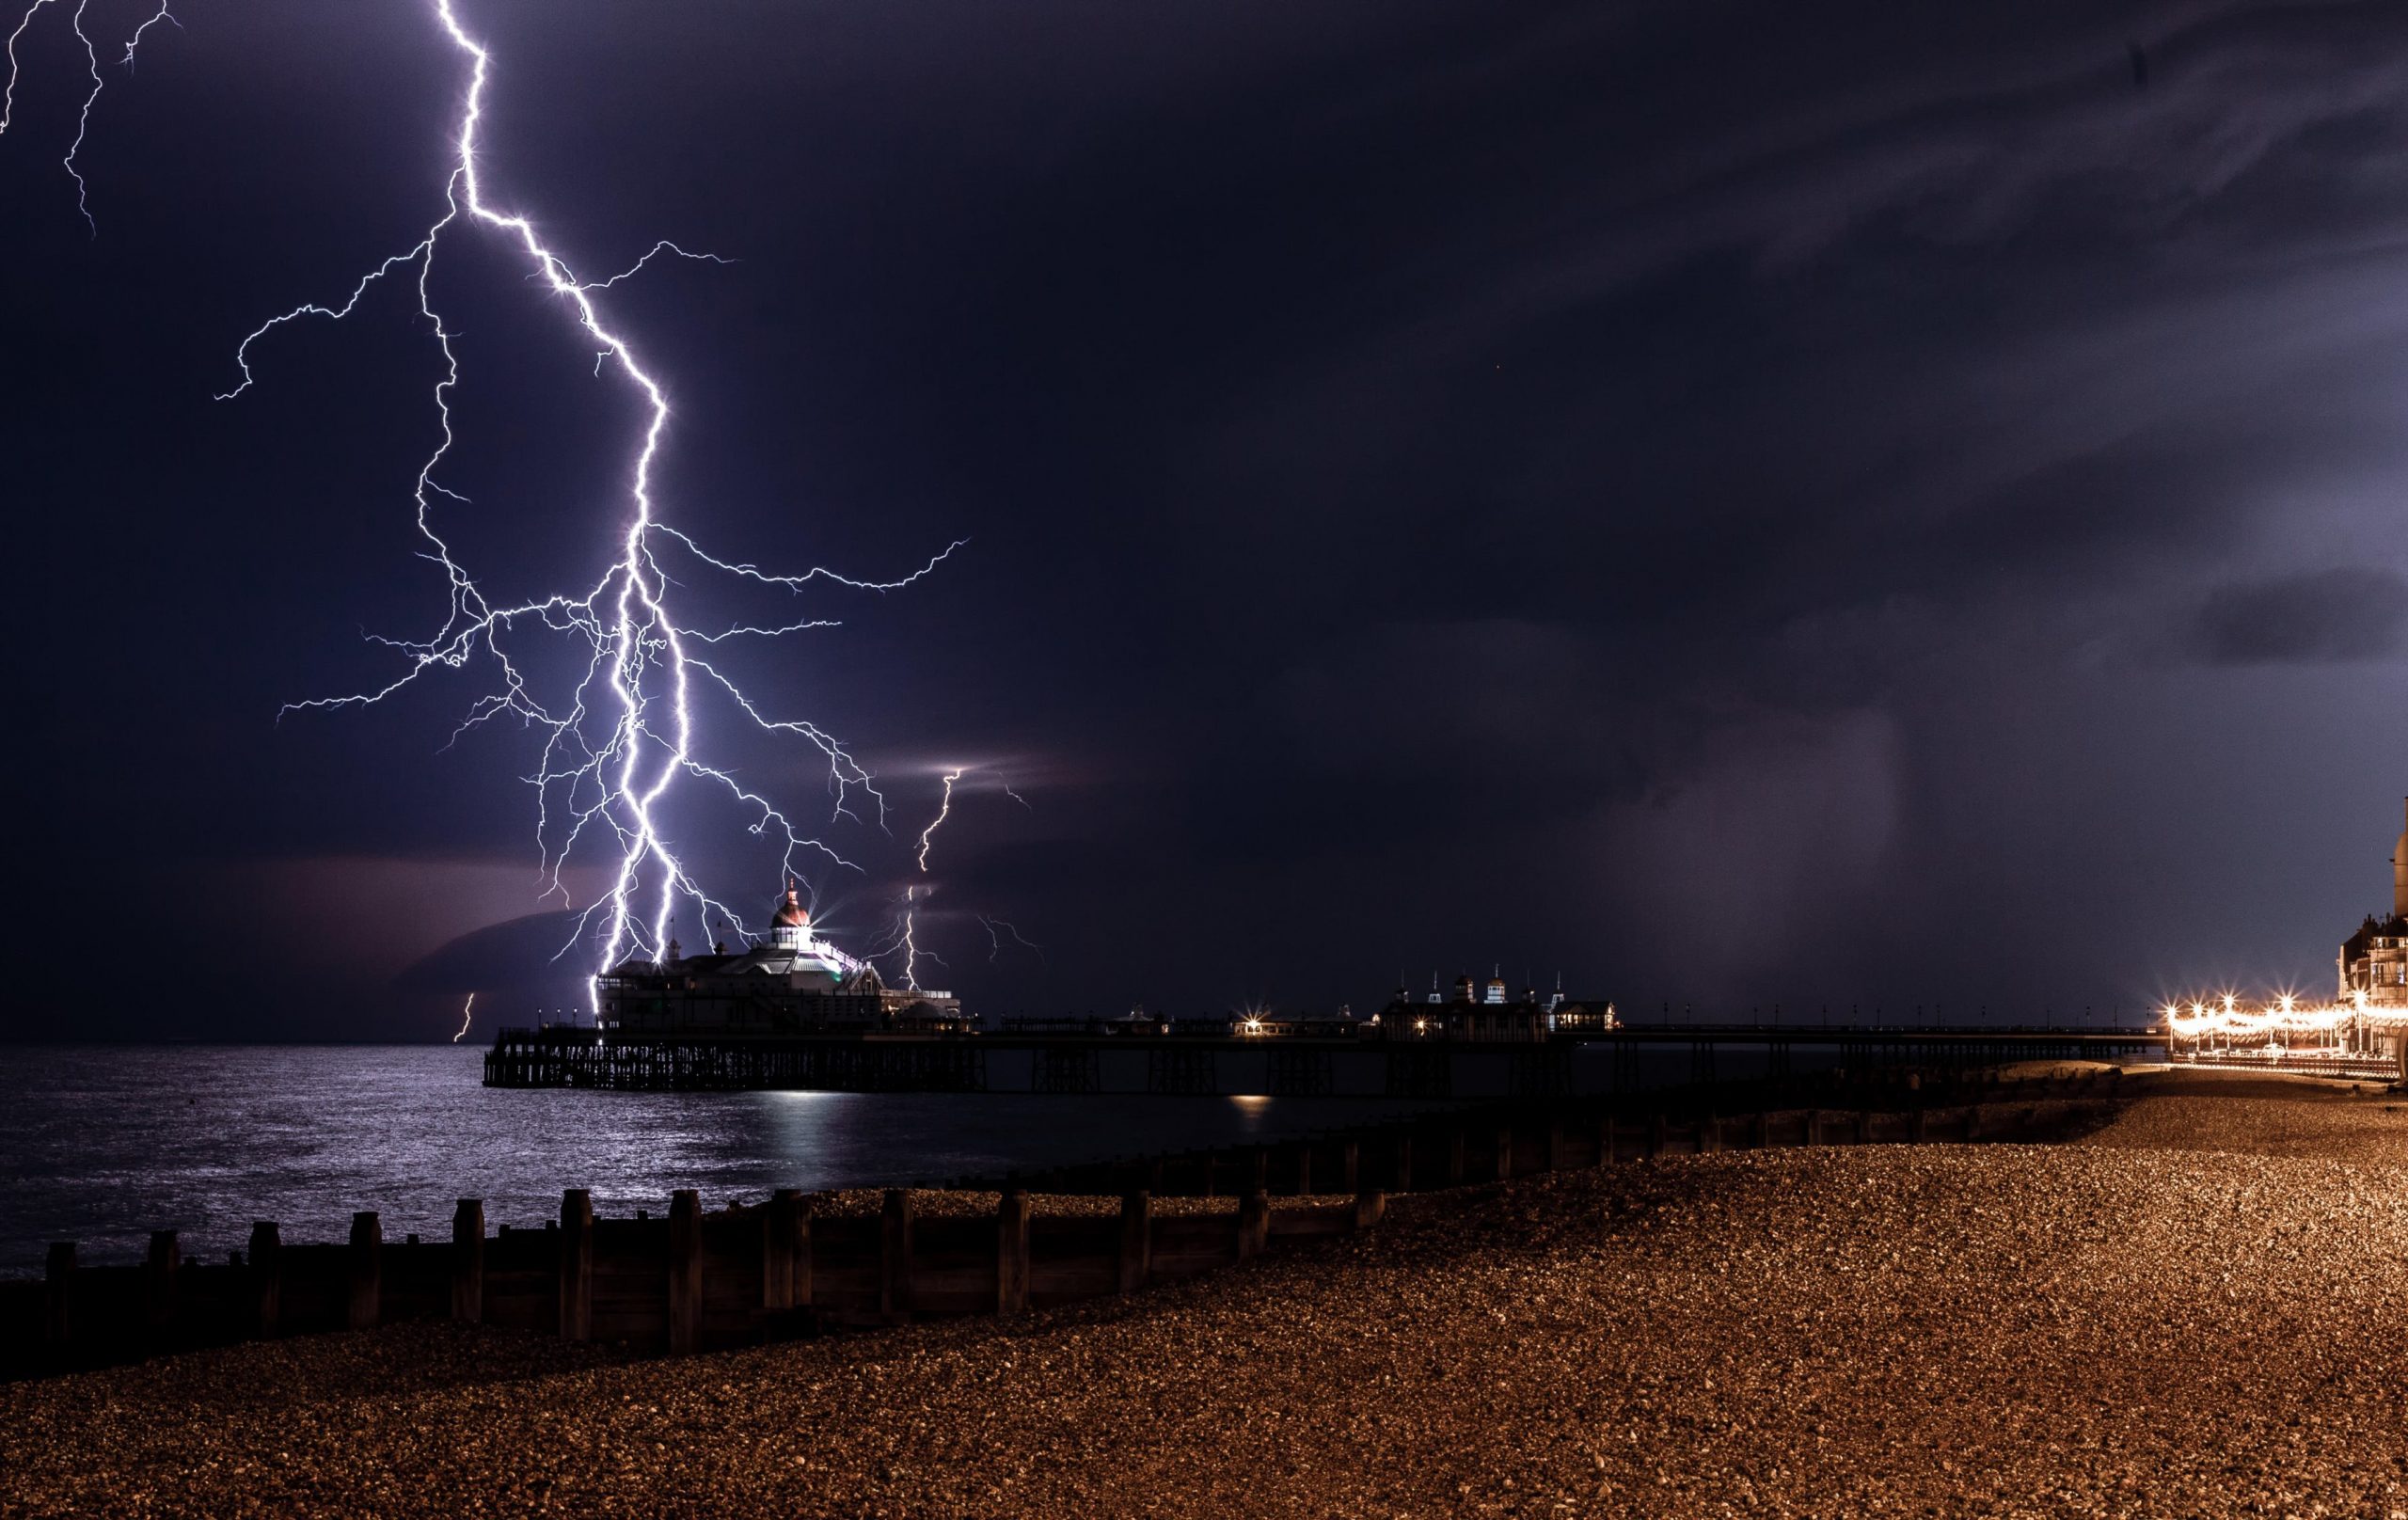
[[1734, 503]]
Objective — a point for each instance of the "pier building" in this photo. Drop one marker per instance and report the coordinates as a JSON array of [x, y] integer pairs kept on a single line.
[[791, 981]]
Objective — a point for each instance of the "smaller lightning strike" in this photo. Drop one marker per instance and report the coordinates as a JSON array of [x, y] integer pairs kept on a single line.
[[912, 894], [467, 1011], [8, 97]]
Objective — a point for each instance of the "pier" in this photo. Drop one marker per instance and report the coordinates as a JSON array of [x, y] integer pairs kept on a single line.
[[1088, 1060]]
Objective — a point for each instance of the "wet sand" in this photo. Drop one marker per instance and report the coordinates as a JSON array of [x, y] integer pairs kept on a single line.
[[2195, 1311]]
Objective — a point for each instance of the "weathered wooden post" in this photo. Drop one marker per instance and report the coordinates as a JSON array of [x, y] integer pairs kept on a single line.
[[58, 1294], [267, 1277], [159, 1281], [1254, 1223], [777, 1251], [1370, 1205], [894, 1258], [1709, 1134], [684, 1270], [1814, 1132], [364, 1263], [1656, 1132], [1400, 1163], [1918, 1126], [1255, 1174], [468, 1260], [1504, 1151], [1011, 1252], [1860, 1126], [1606, 1136], [576, 1264], [1136, 1239], [1350, 1161]]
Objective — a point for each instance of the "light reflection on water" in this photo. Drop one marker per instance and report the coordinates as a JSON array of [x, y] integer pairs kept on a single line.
[[103, 1145]]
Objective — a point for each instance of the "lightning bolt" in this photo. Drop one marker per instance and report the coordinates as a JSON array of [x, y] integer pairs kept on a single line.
[[466, 1010], [912, 894], [625, 733], [92, 69]]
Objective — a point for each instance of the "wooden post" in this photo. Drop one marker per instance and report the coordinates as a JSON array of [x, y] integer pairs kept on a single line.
[[267, 1277], [1304, 1169], [1709, 1134], [365, 1268], [1861, 1126], [1656, 1134], [576, 1264], [894, 1258], [1605, 1137], [1504, 1151], [1136, 1239], [1255, 1176], [1011, 1252], [777, 1251], [1370, 1205], [1917, 1126], [1400, 1163], [1814, 1136], [685, 1270], [58, 1294], [1552, 1159], [159, 1281], [468, 1260], [1455, 1155], [1254, 1222], [1350, 1161]]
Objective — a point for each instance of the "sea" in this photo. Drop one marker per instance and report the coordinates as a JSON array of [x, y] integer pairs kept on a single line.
[[102, 1144]]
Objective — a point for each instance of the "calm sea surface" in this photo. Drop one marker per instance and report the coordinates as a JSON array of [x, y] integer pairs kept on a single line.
[[103, 1145]]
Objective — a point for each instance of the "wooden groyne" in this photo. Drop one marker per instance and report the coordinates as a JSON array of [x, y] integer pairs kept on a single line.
[[691, 1278]]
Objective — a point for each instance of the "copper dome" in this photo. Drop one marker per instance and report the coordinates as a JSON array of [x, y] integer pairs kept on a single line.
[[790, 913]]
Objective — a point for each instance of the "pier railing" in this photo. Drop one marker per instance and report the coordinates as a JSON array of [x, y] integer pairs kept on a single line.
[[692, 1278]]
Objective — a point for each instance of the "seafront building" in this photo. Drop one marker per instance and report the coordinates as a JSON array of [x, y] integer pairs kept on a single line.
[[2365, 1026], [2374, 961]]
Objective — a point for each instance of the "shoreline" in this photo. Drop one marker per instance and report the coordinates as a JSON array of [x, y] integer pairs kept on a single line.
[[2140, 1320]]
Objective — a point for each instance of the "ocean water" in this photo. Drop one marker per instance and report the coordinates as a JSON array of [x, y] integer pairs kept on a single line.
[[103, 1145]]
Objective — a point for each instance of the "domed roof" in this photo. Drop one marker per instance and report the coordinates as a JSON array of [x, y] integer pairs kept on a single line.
[[790, 913]]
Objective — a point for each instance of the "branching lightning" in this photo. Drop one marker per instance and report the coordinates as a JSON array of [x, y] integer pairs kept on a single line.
[[468, 1011], [92, 71], [625, 733]]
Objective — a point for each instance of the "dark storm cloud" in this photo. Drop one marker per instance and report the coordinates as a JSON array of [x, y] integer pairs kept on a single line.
[[2325, 617], [1722, 497]]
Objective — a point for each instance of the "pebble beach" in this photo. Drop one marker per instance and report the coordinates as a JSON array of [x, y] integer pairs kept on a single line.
[[2199, 1309]]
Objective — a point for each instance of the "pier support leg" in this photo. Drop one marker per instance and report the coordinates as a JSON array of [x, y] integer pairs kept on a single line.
[[159, 1282], [1136, 1239], [1371, 1205], [1011, 1252], [1656, 1128], [267, 1277], [576, 1265], [468, 1260], [1350, 1163], [685, 1270], [894, 1258], [1606, 1136], [1551, 1159], [365, 1260], [1504, 1152]]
